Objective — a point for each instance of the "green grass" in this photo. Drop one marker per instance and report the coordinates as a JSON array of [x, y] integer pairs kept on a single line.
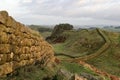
[[59, 48], [45, 34], [31, 72], [110, 60], [79, 69], [76, 68], [77, 43]]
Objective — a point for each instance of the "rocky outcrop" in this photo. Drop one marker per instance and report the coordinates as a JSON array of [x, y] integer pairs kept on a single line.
[[20, 46], [57, 31]]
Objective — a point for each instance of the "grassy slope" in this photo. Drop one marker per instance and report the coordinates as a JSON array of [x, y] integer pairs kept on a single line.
[[45, 34], [110, 60], [79, 43], [100, 51]]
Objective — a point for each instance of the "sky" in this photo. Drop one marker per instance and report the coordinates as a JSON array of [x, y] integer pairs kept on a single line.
[[76, 12]]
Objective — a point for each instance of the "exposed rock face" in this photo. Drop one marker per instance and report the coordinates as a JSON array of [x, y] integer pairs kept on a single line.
[[56, 34], [58, 29], [20, 46]]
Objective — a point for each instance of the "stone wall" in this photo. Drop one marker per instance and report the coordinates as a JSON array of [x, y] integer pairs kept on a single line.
[[20, 46]]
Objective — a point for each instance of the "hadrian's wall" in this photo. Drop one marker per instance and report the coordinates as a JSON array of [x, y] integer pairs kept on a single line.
[[20, 46]]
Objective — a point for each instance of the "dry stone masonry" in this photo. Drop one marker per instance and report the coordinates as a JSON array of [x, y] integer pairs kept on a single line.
[[20, 46]]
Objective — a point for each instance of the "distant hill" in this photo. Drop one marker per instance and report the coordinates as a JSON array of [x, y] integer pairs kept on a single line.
[[40, 28], [112, 28]]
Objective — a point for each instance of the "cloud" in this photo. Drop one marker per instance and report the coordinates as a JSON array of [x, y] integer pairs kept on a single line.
[[26, 1], [57, 11]]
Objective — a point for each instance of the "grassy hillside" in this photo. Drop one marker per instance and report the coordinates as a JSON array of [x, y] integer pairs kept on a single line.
[[40, 28], [108, 61], [79, 43]]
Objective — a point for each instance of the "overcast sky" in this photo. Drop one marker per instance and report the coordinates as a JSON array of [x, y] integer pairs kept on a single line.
[[76, 12]]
